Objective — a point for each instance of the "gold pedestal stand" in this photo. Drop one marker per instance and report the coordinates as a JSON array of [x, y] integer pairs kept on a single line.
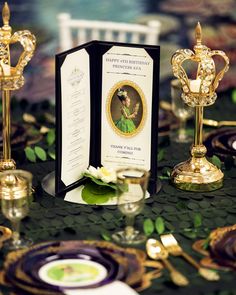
[[197, 173], [11, 78], [6, 163]]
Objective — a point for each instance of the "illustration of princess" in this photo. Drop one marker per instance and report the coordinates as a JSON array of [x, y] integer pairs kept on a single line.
[[125, 122]]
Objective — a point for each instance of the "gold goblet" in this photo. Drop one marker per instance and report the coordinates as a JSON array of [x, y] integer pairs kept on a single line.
[[132, 185], [15, 192], [197, 173]]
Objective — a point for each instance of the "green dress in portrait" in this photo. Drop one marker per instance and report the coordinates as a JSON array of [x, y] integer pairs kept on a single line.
[[125, 124]]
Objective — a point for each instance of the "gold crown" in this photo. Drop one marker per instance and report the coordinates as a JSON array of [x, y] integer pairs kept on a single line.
[[207, 80], [11, 78]]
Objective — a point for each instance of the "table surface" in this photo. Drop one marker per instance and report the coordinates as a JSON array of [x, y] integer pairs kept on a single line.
[[51, 218]]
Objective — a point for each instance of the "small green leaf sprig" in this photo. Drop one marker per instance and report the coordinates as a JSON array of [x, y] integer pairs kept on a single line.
[[149, 226], [161, 226], [166, 172], [216, 161], [43, 154]]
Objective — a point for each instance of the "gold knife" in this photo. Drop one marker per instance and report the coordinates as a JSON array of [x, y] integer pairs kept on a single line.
[[214, 123]]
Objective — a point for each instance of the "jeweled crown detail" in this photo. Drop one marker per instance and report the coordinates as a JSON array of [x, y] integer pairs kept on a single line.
[[11, 78], [206, 72]]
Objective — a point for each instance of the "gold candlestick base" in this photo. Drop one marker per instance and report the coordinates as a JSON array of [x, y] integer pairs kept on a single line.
[[7, 164], [197, 174]]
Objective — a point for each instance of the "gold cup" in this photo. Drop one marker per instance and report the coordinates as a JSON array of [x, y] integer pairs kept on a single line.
[[197, 173], [131, 191], [15, 194]]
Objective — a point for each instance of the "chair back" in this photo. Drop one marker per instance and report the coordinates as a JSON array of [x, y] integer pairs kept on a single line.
[[73, 32]]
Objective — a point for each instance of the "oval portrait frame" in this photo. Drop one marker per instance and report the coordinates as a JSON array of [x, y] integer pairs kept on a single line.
[[108, 107]]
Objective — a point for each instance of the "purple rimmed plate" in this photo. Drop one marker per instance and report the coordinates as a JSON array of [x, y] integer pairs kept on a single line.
[[51, 267], [221, 142], [65, 269], [231, 142], [72, 268], [223, 250]]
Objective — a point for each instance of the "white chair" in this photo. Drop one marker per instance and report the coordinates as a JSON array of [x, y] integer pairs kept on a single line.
[[73, 32]]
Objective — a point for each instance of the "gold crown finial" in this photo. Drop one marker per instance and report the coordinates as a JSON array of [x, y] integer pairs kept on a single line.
[[6, 14], [198, 34]]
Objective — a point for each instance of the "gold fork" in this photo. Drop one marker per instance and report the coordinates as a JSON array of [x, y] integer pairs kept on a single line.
[[172, 246], [156, 251]]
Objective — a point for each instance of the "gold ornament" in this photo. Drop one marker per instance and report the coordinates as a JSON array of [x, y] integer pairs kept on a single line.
[[11, 78], [197, 173]]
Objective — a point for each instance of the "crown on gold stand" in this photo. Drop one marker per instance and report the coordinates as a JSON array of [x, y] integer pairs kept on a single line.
[[11, 78], [197, 173]]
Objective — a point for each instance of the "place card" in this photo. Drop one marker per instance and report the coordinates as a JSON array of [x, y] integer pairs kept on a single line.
[[75, 91], [106, 110], [126, 73]]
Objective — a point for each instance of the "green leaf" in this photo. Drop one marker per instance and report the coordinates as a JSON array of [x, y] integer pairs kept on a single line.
[[106, 235], [51, 137], [166, 171], [100, 182], [30, 154], [148, 227], [197, 220], [206, 243], [52, 155], [51, 152], [188, 233], [161, 155], [160, 225], [94, 194], [234, 96], [40, 153], [216, 161]]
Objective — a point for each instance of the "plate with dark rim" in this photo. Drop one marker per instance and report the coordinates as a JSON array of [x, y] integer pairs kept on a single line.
[[221, 142], [58, 266], [221, 250]]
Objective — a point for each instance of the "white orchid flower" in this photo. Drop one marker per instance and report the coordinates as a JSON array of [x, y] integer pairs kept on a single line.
[[92, 171], [107, 175], [104, 174]]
